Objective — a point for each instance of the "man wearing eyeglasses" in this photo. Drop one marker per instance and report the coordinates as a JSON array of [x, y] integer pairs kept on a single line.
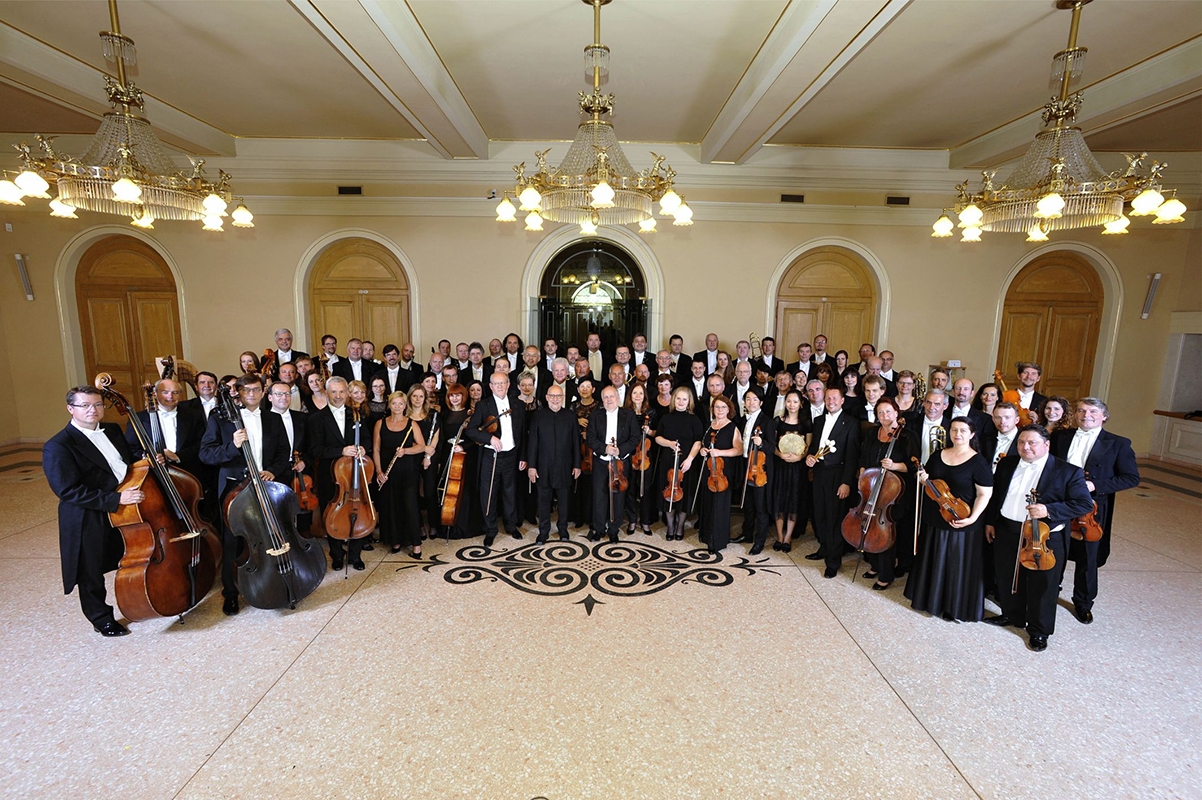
[[85, 464]]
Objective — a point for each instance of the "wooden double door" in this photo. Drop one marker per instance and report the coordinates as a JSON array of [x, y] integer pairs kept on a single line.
[[358, 288], [1052, 316], [828, 290]]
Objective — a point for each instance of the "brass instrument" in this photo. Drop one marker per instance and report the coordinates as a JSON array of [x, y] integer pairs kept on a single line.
[[920, 387], [938, 438], [323, 367], [757, 348]]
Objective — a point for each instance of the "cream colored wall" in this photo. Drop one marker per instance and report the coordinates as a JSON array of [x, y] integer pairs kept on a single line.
[[238, 287]]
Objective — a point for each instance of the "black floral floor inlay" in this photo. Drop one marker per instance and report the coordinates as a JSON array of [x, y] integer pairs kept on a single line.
[[620, 569]]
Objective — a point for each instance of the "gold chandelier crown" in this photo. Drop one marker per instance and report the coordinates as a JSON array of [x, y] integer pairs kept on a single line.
[[1058, 184], [595, 184]]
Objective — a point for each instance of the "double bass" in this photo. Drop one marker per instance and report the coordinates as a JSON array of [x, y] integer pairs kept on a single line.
[[352, 515], [170, 559], [869, 527], [280, 568]]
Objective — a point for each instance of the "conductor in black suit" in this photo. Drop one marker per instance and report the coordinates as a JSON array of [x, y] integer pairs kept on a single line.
[[181, 427], [553, 460], [1109, 464], [221, 448], [85, 464], [834, 476], [501, 455], [1061, 495], [613, 433]]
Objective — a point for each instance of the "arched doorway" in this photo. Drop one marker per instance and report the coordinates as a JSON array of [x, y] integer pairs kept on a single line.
[[592, 286], [1052, 316], [128, 311], [828, 290], [357, 287]]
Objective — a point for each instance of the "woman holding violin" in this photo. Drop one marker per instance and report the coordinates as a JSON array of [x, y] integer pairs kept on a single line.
[[641, 494], [789, 478], [249, 362], [721, 447], [679, 440], [873, 448], [947, 579], [427, 419], [398, 450]]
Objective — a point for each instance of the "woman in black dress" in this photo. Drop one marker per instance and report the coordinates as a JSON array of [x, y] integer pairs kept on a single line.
[[838, 369], [679, 440], [853, 398], [722, 442], [469, 519], [378, 402], [428, 420], [315, 399], [640, 495], [947, 578], [788, 477], [908, 404], [398, 448], [662, 403], [873, 447], [582, 495]]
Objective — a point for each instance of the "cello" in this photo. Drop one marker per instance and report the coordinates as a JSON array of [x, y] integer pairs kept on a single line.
[[352, 515], [869, 527], [1012, 396], [1033, 550], [280, 568], [452, 479], [170, 562]]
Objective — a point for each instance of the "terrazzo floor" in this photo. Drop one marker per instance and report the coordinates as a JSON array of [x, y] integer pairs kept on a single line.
[[578, 672]]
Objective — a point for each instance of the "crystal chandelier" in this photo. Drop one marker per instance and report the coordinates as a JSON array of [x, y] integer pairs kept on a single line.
[[1058, 184], [126, 170], [595, 185]]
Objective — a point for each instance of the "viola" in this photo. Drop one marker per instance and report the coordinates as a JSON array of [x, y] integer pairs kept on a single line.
[[617, 473], [302, 486], [1087, 527], [951, 508], [1033, 550], [757, 463], [717, 481], [640, 459], [452, 481], [1012, 396], [869, 527], [352, 515], [171, 555]]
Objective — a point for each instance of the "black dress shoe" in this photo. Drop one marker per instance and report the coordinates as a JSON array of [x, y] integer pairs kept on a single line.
[[738, 539], [367, 548], [488, 540], [111, 628], [777, 546], [516, 534], [815, 556], [542, 538], [563, 537], [1001, 620], [593, 536], [869, 575], [1039, 642], [756, 550], [359, 565], [830, 572], [786, 547], [880, 587], [230, 606], [1083, 616], [336, 564], [396, 548], [613, 537]]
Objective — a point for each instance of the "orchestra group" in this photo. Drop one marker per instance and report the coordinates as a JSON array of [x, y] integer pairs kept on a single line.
[[966, 491]]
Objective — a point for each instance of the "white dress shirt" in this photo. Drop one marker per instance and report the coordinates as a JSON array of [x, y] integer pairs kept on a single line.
[[101, 442], [357, 369], [749, 430], [740, 390], [711, 361], [283, 357], [829, 426], [287, 420], [1081, 446], [169, 426], [958, 412], [253, 421], [816, 411], [596, 363], [611, 431], [506, 420], [1025, 398], [208, 406], [780, 407], [1003, 446], [929, 425], [1026, 478]]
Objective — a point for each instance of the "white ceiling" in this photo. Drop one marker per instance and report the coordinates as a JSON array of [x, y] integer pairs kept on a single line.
[[720, 79]]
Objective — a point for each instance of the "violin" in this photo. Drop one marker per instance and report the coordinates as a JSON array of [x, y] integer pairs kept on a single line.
[[617, 473], [1033, 550], [640, 459], [302, 486], [170, 559], [674, 491], [1087, 527], [352, 515], [951, 508], [452, 479], [757, 461], [268, 362], [586, 452], [280, 568], [869, 527], [1012, 396], [716, 482]]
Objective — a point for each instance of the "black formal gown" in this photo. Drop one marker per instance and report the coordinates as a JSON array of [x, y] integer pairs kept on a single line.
[[400, 516], [716, 505], [686, 428], [470, 519], [640, 497], [872, 451], [428, 480], [582, 495], [788, 480], [947, 579]]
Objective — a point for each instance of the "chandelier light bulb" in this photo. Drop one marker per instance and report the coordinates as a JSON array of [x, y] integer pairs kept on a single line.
[[1119, 226], [10, 193], [669, 203], [970, 217], [61, 210], [534, 222], [213, 223], [529, 198], [144, 220], [506, 212], [647, 225], [1049, 206], [971, 234], [214, 205], [942, 227], [1146, 203], [683, 214], [126, 191], [1034, 234], [242, 216], [603, 195], [1169, 212], [588, 228], [32, 184]]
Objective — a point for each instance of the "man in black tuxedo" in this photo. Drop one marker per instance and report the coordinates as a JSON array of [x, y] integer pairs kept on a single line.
[[804, 362], [354, 367], [680, 364], [329, 351], [613, 433], [834, 477], [1062, 495], [875, 366], [694, 381], [553, 460], [399, 373], [330, 435], [1000, 440], [1028, 375], [85, 464], [1109, 464], [663, 366], [759, 431], [561, 376], [284, 354], [710, 354], [768, 362], [532, 365], [221, 448], [714, 387], [501, 455], [181, 430], [821, 356], [961, 406], [867, 351], [478, 367], [294, 426], [206, 394]]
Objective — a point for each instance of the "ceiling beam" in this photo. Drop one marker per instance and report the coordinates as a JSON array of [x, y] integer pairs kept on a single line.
[[808, 47], [48, 72], [1162, 80]]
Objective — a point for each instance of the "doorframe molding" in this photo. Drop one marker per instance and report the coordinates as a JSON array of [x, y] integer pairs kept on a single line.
[[639, 250], [308, 260], [876, 270], [65, 268], [1112, 305]]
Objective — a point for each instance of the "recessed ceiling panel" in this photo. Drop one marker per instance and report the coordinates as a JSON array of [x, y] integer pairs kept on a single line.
[[1171, 130], [28, 113]]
